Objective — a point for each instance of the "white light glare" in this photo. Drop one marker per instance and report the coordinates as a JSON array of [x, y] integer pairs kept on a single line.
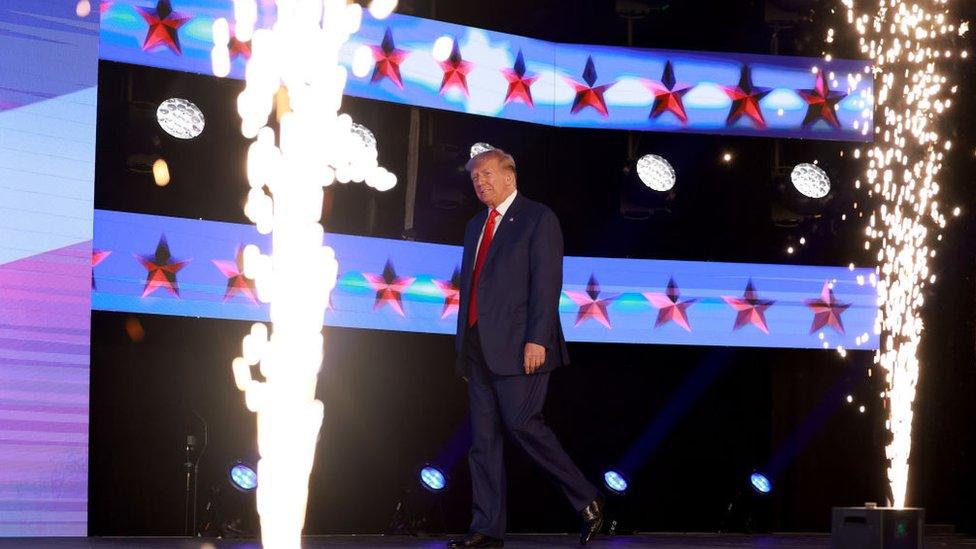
[[160, 171], [83, 8], [381, 9], [362, 61], [442, 48]]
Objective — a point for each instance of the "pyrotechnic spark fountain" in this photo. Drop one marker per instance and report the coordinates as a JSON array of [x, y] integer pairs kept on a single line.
[[294, 69], [909, 44]]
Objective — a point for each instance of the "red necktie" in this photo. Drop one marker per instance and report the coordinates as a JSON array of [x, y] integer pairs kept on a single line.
[[478, 264]]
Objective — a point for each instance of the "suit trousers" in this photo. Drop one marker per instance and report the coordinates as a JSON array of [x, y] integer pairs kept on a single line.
[[515, 403]]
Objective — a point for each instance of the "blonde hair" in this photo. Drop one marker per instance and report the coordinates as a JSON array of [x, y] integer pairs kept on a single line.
[[505, 160]]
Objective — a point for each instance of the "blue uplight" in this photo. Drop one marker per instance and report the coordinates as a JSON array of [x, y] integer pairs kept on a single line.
[[243, 477], [615, 481], [433, 479], [760, 483]]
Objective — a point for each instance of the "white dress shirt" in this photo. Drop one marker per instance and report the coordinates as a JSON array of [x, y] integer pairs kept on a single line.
[[502, 208]]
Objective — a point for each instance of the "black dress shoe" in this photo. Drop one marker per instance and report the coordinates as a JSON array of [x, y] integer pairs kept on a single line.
[[476, 539], [592, 516]]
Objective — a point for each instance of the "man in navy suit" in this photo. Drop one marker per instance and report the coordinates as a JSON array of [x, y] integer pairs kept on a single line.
[[508, 341]]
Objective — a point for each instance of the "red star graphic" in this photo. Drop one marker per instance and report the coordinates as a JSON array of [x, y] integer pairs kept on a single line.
[[104, 5], [163, 24], [670, 307], [237, 283], [456, 71], [97, 257], [588, 95], [745, 99], [161, 269], [238, 48], [750, 308], [668, 94], [388, 59], [590, 304], [821, 103], [519, 85], [827, 310], [452, 293], [389, 288]]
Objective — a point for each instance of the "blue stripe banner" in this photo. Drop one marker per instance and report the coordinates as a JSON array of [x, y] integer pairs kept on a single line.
[[173, 266], [427, 63]]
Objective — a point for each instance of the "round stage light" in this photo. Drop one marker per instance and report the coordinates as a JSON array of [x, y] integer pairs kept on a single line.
[[433, 479], [810, 180], [365, 135], [243, 477], [442, 48], [615, 481], [655, 172], [180, 118], [760, 483], [479, 148]]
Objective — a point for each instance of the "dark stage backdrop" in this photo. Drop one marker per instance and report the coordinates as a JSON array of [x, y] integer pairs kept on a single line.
[[391, 400], [392, 403]]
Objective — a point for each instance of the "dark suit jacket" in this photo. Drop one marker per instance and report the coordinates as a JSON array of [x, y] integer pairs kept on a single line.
[[518, 293]]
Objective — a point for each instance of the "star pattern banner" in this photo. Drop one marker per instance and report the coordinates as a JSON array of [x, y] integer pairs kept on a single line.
[[172, 266], [518, 78]]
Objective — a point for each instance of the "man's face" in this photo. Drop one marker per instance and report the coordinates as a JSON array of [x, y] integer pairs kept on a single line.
[[491, 182]]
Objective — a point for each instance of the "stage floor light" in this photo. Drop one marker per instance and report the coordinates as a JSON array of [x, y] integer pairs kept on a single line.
[[615, 482], [243, 477], [760, 483], [433, 479]]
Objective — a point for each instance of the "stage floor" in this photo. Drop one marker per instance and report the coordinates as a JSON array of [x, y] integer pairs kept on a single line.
[[535, 541]]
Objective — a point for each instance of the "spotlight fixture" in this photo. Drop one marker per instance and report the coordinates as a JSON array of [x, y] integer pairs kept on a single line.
[[242, 476], [615, 482], [479, 148], [180, 118], [433, 479], [750, 510], [760, 483], [810, 180], [655, 172], [83, 8]]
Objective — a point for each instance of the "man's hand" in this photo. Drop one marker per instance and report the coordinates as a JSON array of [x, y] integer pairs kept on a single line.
[[535, 355]]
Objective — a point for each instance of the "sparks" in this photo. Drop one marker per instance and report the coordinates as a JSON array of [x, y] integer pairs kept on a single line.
[[907, 44], [315, 147]]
